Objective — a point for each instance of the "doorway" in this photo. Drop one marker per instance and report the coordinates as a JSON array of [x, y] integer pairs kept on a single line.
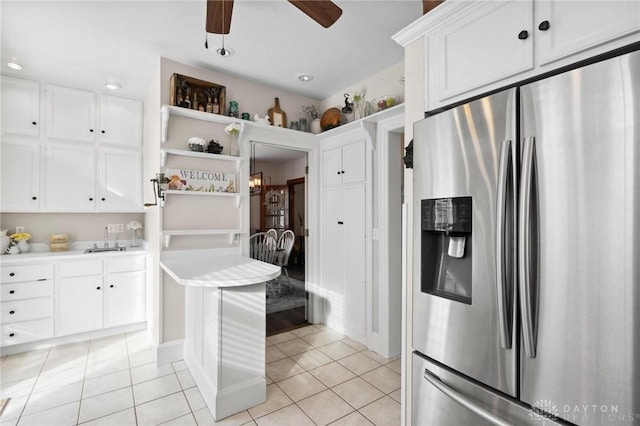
[[279, 204]]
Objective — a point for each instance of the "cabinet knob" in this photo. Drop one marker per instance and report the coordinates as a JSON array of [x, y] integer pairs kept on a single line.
[[91, 130], [343, 172], [90, 198], [97, 288], [12, 291], [338, 171], [111, 286], [544, 26], [34, 123], [12, 274], [34, 198], [103, 132], [103, 199], [11, 334], [523, 35], [340, 222], [12, 312]]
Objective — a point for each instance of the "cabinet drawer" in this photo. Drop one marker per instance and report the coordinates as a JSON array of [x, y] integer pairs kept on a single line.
[[126, 264], [26, 290], [80, 268], [27, 331], [13, 274], [24, 310]]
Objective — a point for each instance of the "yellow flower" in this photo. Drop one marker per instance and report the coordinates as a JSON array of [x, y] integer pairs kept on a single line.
[[21, 236]]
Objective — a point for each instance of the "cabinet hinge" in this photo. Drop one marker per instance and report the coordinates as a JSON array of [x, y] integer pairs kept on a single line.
[[306, 232], [306, 170]]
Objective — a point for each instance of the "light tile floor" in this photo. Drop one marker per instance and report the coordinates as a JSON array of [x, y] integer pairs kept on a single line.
[[315, 376]]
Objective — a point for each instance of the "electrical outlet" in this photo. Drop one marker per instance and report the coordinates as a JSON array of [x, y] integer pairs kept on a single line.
[[19, 229], [115, 227]]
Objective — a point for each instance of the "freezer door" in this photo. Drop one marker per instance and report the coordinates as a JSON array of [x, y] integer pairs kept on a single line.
[[443, 398], [582, 129], [457, 153]]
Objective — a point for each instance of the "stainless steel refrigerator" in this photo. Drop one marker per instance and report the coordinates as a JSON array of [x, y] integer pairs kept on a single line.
[[526, 296]]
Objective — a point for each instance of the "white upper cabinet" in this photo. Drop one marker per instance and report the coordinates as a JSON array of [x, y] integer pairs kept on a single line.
[[563, 29], [120, 121], [71, 114], [344, 164], [69, 180], [475, 47], [480, 48], [20, 106], [20, 176], [119, 180]]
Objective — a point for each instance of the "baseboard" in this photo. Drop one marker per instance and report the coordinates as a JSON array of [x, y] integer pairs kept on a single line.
[[168, 352]]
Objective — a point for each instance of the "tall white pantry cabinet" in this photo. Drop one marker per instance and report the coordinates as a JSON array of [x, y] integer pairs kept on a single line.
[[344, 225]]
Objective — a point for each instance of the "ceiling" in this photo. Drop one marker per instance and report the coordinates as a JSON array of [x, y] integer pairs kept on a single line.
[[87, 43]]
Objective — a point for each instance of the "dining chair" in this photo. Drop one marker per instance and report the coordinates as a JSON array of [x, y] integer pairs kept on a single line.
[[273, 233], [283, 251]]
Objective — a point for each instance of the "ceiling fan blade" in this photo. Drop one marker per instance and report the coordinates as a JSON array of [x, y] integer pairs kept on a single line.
[[324, 12], [215, 18]]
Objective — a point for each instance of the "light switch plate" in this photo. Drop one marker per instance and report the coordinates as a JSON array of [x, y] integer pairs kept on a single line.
[[19, 229], [115, 227]]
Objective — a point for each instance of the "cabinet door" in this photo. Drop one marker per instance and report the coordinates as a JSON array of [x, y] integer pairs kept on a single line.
[[120, 121], [354, 163], [120, 180], [69, 181], [333, 251], [20, 106], [124, 298], [353, 216], [71, 114], [573, 29], [20, 176], [78, 304], [332, 166], [481, 48]]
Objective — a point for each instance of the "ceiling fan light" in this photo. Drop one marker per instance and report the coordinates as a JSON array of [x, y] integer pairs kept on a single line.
[[225, 52], [304, 77], [14, 65]]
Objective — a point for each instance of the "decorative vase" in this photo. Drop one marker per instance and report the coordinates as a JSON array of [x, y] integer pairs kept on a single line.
[[358, 111], [5, 240], [24, 246], [233, 146], [315, 126], [135, 241]]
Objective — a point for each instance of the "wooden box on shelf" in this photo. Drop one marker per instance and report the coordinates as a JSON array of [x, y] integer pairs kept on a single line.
[[192, 93]]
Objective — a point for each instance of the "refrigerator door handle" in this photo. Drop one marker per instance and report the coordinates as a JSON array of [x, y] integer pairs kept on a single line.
[[502, 292], [524, 247], [460, 399]]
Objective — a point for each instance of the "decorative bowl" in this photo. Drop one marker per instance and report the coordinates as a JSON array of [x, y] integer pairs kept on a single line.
[[385, 102]]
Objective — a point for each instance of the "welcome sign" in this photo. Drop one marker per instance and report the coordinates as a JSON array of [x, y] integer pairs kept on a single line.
[[200, 180]]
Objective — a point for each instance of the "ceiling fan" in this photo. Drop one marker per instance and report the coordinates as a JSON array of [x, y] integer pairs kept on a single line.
[[324, 12]]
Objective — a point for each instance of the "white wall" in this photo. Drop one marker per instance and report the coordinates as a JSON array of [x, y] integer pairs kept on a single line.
[[199, 212], [385, 83]]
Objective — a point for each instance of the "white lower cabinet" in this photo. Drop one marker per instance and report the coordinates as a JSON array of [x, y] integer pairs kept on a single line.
[[100, 293], [78, 304], [78, 296], [124, 301], [26, 307]]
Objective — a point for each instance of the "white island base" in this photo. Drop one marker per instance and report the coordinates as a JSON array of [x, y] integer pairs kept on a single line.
[[224, 345]]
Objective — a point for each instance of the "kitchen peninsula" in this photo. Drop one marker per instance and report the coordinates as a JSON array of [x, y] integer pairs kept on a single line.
[[224, 346]]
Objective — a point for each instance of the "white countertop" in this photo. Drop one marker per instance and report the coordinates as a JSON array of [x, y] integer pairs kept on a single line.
[[40, 252], [202, 268]]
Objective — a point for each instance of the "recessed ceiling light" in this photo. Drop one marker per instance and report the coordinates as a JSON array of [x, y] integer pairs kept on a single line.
[[113, 86], [14, 65], [304, 77]]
